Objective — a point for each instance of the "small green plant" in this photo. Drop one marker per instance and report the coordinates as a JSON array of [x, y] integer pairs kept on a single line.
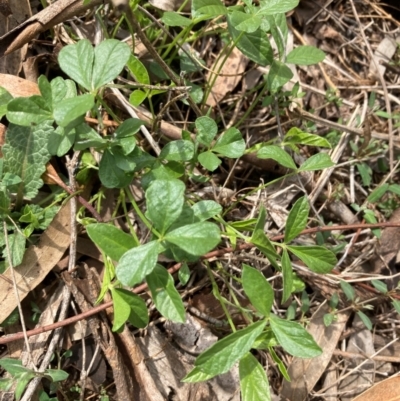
[[180, 226], [21, 375]]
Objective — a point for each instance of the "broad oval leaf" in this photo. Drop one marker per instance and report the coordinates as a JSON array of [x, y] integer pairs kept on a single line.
[[111, 176], [297, 219], [317, 162], [137, 263], [128, 128], [26, 111], [165, 296], [110, 58], [206, 130], [257, 289], [209, 160], [110, 239], [206, 209], [77, 62], [255, 45], [271, 7], [254, 385], [245, 22], [316, 258], [294, 338], [278, 75], [305, 55], [221, 356], [230, 144], [164, 202], [206, 9], [278, 154], [70, 109], [196, 239], [171, 18], [137, 316], [179, 150]]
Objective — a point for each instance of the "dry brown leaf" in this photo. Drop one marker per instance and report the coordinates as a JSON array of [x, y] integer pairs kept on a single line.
[[37, 263], [384, 53], [18, 87], [386, 390], [306, 372], [235, 64]]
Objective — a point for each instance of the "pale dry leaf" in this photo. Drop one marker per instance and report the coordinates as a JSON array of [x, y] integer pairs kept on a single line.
[[37, 263], [306, 372], [386, 390], [383, 53], [18, 87], [231, 74]]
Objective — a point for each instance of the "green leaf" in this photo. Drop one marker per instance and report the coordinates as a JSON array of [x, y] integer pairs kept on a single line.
[[77, 62], [206, 130], [396, 305], [128, 306], [56, 375], [26, 111], [257, 289], [61, 140], [179, 150], [13, 366], [377, 193], [316, 258], [208, 160], [25, 155], [45, 90], [22, 382], [365, 319], [294, 338], [137, 97], [245, 22], [278, 75], [380, 286], [221, 356], [254, 385], [230, 144], [287, 276], [171, 18], [184, 274], [271, 7], [305, 55], [255, 45], [318, 161], [5, 97], [196, 239], [165, 296], [137, 263], [16, 244], [297, 219], [70, 109], [164, 203], [206, 9], [297, 137], [110, 58], [395, 188], [206, 209], [128, 128], [138, 70], [348, 290], [196, 375], [111, 176], [110, 239], [278, 154], [4, 203], [261, 241]]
